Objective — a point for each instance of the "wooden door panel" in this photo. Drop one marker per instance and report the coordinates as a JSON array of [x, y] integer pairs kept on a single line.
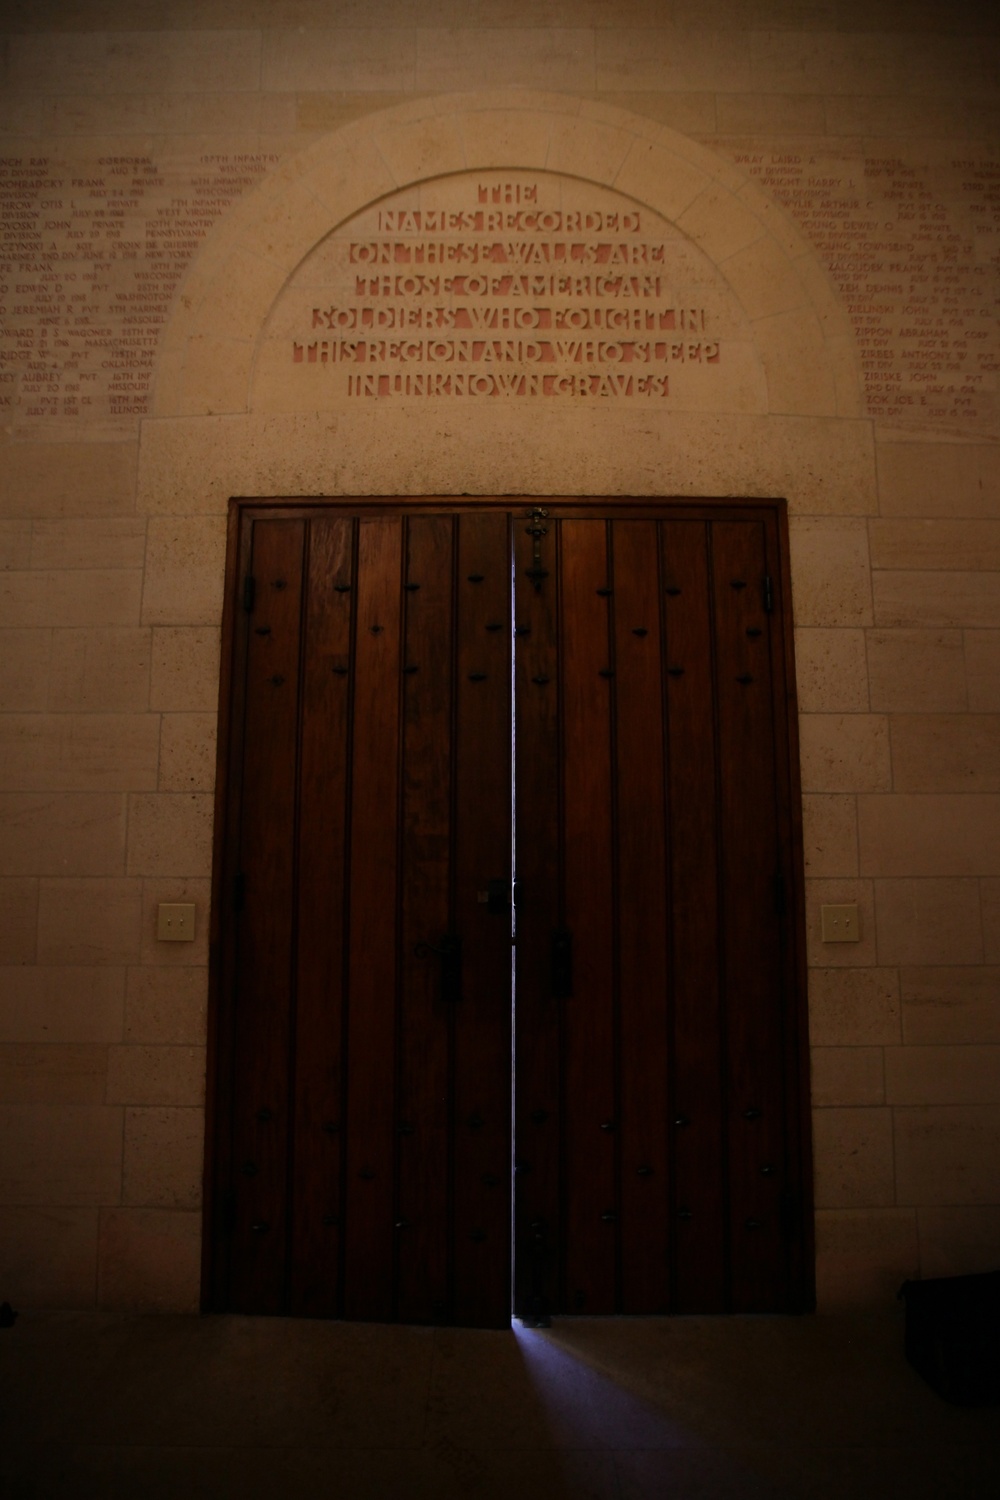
[[482, 1101], [590, 1111], [695, 1081], [365, 1150], [751, 954], [642, 918], [427, 1016], [321, 947], [263, 978], [674, 1042], [369, 1198], [540, 915]]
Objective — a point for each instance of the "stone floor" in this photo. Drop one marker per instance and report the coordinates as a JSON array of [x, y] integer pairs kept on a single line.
[[232, 1408]]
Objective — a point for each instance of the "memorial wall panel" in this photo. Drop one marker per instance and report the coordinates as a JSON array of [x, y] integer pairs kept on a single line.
[[509, 284], [92, 251], [910, 237]]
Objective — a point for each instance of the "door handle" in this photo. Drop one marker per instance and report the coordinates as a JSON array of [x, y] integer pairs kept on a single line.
[[562, 964], [449, 951]]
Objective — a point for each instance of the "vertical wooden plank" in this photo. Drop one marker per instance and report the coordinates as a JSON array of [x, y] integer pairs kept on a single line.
[[590, 1103], [322, 851], [264, 985], [372, 960], [538, 1240], [482, 1052], [751, 946], [426, 1016], [642, 919], [699, 1174]]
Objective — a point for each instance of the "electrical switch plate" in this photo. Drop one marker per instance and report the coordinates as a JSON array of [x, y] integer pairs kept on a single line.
[[841, 924], [175, 922]]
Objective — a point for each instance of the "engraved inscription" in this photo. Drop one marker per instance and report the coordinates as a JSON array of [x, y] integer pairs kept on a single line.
[[507, 293], [91, 254], [913, 248], [526, 285]]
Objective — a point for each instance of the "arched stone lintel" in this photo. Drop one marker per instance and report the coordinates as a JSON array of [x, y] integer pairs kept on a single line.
[[802, 332]]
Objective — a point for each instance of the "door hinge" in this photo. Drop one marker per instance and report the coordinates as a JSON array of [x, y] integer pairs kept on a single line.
[[239, 890], [249, 592], [768, 596]]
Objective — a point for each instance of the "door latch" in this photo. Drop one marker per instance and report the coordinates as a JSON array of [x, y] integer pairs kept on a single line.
[[537, 517]]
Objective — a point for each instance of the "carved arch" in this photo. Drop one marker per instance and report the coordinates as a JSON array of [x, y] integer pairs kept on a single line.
[[802, 333]]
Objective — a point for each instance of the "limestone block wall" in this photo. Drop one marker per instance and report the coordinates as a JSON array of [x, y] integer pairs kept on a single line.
[[180, 186]]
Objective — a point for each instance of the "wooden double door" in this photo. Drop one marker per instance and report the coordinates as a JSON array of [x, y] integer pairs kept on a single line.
[[507, 892]]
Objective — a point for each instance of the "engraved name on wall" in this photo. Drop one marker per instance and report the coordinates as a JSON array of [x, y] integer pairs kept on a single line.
[[912, 244], [92, 252], [519, 284]]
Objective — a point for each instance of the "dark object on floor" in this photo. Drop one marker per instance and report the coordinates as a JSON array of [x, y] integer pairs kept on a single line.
[[953, 1336], [7, 1315]]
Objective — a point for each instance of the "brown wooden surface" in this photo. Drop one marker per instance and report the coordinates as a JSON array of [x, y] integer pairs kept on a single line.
[[423, 1236], [643, 942], [482, 1055], [318, 1082], [369, 1197], [362, 1147], [263, 982], [538, 1012], [590, 1110], [695, 1108], [751, 955]]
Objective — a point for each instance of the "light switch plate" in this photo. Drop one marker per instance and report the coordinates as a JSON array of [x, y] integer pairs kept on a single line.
[[841, 924], [175, 922]]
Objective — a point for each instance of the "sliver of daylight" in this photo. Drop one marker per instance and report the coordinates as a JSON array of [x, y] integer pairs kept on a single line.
[[615, 1444], [513, 914]]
